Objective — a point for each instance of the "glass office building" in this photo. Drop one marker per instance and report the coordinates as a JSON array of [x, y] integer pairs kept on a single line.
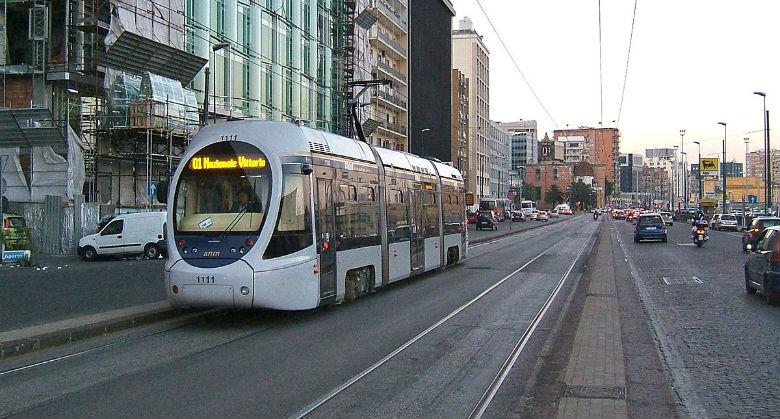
[[279, 65]]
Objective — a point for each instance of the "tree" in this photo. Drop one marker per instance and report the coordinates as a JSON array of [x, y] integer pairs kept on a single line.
[[530, 192], [580, 193], [553, 195]]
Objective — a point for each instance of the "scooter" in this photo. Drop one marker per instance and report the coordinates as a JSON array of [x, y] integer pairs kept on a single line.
[[700, 235], [595, 215]]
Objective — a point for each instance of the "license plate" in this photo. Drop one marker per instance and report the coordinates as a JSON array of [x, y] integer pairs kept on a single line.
[[701, 237], [649, 228]]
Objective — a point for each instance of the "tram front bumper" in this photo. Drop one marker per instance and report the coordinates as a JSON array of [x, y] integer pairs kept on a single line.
[[228, 286]]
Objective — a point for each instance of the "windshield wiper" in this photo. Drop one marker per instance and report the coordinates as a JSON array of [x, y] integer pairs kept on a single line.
[[233, 223]]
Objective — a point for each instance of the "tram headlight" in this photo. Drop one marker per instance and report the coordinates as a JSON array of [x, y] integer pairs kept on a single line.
[[245, 290]]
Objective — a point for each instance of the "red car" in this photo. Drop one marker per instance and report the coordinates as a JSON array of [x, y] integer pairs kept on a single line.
[[472, 218], [758, 225]]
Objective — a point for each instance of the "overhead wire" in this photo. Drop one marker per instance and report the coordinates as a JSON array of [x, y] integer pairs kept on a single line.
[[628, 57], [601, 74], [517, 67]]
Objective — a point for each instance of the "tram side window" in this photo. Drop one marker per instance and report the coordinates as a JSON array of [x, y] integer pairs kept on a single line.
[[453, 214], [294, 227], [397, 217], [356, 218], [431, 214]]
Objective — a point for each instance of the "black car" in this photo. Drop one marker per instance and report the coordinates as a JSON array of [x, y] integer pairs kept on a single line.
[[762, 267], [750, 236], [487, 220]]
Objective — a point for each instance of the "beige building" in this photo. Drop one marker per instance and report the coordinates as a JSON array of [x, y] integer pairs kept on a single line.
[[472, 58], [381, 52], [459, 143]]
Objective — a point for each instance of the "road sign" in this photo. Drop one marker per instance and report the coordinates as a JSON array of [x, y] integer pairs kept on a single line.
[[709, 166], [752, 199], [153, 188]]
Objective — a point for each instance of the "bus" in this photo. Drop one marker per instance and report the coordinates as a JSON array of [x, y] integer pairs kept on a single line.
[[501, 207], [282, 216], [527, 207]]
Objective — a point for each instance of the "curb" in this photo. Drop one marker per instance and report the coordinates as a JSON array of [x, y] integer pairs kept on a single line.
[[34, 338]]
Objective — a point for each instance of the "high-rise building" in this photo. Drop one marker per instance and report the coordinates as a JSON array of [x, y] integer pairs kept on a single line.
[[755, 165], [500, 174], [601, 146], [630, 172], [459, 137], [470, 55], [575, 148], [430, 24], [525, 143], [280, 62], [732, 168]]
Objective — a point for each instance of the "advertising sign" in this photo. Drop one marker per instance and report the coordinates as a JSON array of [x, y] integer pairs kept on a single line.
[[15, 255], [709, 166]]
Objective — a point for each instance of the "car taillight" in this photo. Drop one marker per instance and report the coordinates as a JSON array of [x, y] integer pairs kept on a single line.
[[700, 231]]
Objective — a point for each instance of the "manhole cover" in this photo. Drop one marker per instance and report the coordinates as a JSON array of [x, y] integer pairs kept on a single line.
[[595, 392], [479, 267], [598, 294], [680, 280]]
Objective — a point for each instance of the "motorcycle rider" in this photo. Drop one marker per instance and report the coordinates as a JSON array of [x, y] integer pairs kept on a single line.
[[698, 220]]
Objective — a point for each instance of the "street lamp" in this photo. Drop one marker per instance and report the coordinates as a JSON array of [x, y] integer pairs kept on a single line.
[[500, 172], [723, 170], [699, 179], [422, 140], [685, 169], [214, 49], [676, 179], [767, 159]]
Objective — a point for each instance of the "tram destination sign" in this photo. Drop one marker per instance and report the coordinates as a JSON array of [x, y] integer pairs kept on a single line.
[[234, 162]]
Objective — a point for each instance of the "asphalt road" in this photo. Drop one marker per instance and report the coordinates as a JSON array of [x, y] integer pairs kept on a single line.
[[274, 364], [721, 345], [66, 287]]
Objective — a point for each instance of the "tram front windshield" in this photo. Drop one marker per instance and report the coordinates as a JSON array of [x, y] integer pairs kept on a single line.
[[224, 188]]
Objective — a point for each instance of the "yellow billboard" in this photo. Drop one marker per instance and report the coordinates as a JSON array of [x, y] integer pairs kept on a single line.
[[709, 166]]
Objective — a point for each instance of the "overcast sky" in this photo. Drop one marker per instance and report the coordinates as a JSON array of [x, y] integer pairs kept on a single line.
[[693, 63]]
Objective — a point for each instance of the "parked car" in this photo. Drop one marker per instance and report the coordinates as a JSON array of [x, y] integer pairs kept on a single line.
[[724, 222], [472, 218], [518, 215], [542, 216], [668, 218], [126, 234], [750, 236], [487, 220], [762, 267], [650, 226]]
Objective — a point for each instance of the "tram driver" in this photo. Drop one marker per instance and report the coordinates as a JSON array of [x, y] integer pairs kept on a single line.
[[244, 203]]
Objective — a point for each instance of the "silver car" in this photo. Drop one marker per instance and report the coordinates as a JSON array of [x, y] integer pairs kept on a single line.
[[725, 222]]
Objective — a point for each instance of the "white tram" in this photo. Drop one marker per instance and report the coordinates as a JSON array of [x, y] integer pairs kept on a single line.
[[276, 215]]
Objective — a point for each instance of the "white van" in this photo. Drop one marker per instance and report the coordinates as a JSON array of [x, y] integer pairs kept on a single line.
[[126, 234]]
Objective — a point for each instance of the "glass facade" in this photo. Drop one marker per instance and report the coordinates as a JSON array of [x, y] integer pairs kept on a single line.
[[279, 63]]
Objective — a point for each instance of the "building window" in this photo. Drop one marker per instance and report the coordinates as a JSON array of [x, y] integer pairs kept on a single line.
[[538, 174]]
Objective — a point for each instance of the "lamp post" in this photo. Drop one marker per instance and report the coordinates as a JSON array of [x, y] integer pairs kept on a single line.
[[500, 173], [676, 176], [422, 140], [723, 169], [685, 178], [699, 179], [767, 158], [214, 49], [685, 169]]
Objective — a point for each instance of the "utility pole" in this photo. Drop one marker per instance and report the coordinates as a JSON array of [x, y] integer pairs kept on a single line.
[[723, 168], [685, 169]]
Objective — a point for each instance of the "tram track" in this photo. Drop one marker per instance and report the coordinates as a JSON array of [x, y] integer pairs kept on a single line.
[[507, 365], [228, 325], [199, 318]]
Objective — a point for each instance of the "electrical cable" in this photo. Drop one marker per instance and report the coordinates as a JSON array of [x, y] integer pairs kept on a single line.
[[517, 67], [601, 75], [628, 57]]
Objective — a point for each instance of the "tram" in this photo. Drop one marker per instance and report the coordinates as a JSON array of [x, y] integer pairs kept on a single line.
[[282, 216]]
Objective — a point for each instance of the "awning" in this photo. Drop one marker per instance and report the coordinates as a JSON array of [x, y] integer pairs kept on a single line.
[[137, 54], [30, 127]]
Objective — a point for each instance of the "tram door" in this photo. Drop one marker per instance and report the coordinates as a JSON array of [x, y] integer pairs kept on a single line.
[[417, 222], [325, 220]]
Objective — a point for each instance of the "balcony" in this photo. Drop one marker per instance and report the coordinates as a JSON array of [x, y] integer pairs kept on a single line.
[[381, 40], [396, 129], [391, 16], [381, 66], [391, 99]]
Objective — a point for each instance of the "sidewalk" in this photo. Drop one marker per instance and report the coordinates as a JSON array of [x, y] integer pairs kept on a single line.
[[614, 368]]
